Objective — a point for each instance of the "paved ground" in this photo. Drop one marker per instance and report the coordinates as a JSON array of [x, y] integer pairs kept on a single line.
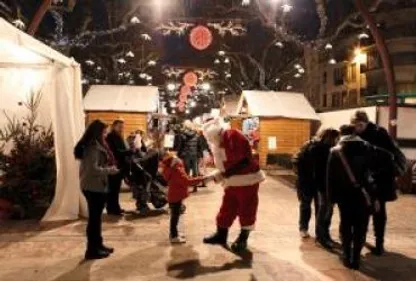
[[54, 251]]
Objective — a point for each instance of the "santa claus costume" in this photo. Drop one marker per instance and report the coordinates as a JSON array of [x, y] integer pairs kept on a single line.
[[240, 175]]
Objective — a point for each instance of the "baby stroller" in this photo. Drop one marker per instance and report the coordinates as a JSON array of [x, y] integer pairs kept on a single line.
[[146, 184]]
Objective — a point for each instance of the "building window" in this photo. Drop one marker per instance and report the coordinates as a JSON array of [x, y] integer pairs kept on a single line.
[[339, 74], [324, 101], [344, 98], [324, 78], [336, 100], [353, 96]]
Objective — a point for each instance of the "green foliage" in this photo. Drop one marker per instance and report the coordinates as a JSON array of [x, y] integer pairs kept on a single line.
[[28, 169]]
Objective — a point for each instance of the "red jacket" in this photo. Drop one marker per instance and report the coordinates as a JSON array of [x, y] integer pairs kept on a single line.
[[177, 179]]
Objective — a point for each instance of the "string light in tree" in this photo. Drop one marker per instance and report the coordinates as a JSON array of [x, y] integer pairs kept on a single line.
[[245, 2], [221, 53], [279, 44], [135, 20], [200, 37], [328, 46], [332, 61], [151, 63], [130, 54]]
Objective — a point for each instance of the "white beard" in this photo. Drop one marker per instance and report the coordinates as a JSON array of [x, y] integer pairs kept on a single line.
[[212, 132]]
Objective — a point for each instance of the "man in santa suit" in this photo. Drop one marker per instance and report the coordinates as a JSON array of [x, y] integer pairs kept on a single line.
[[240, 176]]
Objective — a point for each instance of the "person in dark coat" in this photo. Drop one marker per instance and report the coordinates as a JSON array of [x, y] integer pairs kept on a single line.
[[188, 152], [97, 164], [351, 166], [120, 151], [378, 137], [312, 168]]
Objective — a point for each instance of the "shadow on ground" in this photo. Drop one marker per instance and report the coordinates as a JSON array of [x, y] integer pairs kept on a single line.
[[185, 263]]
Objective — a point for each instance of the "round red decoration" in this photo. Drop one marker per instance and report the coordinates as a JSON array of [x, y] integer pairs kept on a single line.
[[183, 98], [190, 79], [200, 37]]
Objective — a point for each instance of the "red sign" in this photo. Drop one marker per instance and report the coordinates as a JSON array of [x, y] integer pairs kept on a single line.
[[200, 37]]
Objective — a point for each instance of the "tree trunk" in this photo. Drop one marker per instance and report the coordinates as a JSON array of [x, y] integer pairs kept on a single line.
[[37, 19], [387, 65]]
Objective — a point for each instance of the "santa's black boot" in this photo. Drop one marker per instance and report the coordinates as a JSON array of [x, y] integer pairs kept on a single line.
[[240, 245], [218, 238]]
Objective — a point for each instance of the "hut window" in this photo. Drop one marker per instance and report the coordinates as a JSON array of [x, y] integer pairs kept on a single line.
[[339, 74]]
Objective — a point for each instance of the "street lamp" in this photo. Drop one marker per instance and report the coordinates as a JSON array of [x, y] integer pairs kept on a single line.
[[359, 56], [227, 60], [332, 61], [221, 53]]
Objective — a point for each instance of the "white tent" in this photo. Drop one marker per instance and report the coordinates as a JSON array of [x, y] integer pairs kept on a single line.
[[276, 104], [27, 65], [122, 98]]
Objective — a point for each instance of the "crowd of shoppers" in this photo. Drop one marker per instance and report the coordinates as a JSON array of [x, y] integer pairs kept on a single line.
[[355, 169]]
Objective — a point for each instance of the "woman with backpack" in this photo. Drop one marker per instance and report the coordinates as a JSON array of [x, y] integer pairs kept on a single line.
[[311, 164]]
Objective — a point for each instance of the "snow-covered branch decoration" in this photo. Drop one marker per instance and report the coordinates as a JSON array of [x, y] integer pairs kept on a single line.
[[170, 28], [173, 72], [59, 22], [234, 29], [321, 11], [19, 24], [206, 74]]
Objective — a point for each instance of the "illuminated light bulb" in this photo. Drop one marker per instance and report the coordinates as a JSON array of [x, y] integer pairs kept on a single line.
[[171, 87], [143, 75], [332, 61], [289, 87], [221, 53], [328, 46], [84, 81], [151, 63], [135, 20], [173, 111], [301, 70], [363, 36], [227, 60], [297, 75], [187, 111], [193, 104], [206, 86], [287, 8], [130, 54], [245, 2], [122, 61], [298, 66], [277, 80], [149, 78], [99, 68], [279, 44], [228, 75], [89, 62], [217, 61]]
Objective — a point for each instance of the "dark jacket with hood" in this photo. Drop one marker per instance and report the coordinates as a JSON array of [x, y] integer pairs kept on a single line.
[[380, 138], [312, 167], [365, 161], [189, 144]]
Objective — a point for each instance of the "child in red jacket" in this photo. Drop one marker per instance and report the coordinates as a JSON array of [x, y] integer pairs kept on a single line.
[[178, 184]]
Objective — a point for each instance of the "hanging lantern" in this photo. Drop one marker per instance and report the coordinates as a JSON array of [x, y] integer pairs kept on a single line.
[[200, 37], [190, 79], [183, 99]]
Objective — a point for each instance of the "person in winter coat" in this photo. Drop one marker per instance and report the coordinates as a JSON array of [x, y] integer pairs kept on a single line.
[[311, 164], [378, 137], [118, 148], [97, 164], [188, 152], [178, 181], [351, 167]]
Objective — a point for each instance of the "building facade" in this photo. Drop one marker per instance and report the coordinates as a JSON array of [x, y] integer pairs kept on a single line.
[[351, 72]]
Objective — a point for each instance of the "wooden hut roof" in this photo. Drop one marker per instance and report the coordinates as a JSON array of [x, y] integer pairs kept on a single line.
[[277, 104], [122, 98]]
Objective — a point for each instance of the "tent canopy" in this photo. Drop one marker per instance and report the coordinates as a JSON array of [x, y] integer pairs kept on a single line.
[[277, 104], [117, 98], [335, 119], [28, 66]]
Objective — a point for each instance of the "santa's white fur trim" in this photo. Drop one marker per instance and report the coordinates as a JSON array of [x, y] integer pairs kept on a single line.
[[212, 131], [248, 227], [244, 180]]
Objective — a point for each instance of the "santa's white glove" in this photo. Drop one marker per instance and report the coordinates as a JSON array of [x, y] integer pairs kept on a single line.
[[214, 176]]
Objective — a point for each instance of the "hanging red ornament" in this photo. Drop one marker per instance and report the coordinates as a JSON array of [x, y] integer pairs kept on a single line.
[[186, 89], [200, 37], [183, 98], [181, 107]]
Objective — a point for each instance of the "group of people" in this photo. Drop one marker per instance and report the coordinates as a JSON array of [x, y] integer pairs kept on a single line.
[[354, 168], [103, 167]]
